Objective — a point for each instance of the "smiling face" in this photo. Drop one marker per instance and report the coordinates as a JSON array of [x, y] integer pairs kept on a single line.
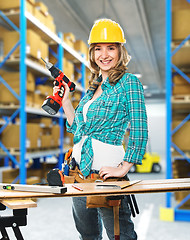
[[106, 55]]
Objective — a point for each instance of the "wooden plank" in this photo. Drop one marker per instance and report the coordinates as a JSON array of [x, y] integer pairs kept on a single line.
[[89, 189], [19, 204]]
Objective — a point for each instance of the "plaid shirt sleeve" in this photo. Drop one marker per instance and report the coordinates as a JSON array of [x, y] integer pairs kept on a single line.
[[73, 127], [138, 121]]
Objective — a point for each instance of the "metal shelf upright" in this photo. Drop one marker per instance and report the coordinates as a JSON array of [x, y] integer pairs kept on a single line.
[[178, 214], [22, 110], [22, 97]]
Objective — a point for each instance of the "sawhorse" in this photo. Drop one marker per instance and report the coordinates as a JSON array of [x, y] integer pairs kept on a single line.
[[19, 217]]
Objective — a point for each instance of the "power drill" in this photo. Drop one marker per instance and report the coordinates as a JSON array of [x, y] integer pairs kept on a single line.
[[52, 104]]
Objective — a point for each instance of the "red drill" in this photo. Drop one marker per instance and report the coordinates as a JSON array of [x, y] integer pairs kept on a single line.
[[52, 104]]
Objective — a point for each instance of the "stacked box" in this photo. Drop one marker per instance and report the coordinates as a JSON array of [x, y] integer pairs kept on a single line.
[[69, 39], [10, 5], [13, 80], [68, 139], [181, 169], [44, 122], [56, 135], [32, 48], [81, 47], [46, 141], [180, 4], [42, 8], [181, 137], [41, 13], [49, 22], [46, 131], [44, 48], [181, 86], [10, 136], [182, 57], [68, 69], [33, 175], [41, 92], [180, 23]]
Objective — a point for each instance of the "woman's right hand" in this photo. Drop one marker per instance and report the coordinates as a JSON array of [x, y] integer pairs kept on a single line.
[[66, 93]]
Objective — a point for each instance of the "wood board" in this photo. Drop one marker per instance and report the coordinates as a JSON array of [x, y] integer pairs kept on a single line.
[[89, 189]]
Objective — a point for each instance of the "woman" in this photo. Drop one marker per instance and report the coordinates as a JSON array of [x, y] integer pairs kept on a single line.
[[113, 100]]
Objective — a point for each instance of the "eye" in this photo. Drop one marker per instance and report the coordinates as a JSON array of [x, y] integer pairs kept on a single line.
[[112, 48], [97, 48]]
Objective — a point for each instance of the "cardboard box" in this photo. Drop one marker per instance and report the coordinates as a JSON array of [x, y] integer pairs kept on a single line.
[[69, 38], [181, 85], [39, 99], [10, 136], [45, 90], [10, 4], [181, 137], [68, 69], [56, 135], [49, 22], [81, 47], [46, 141], [42, 7], [44, 48], [180, 4], [32, 48], [180, 24], [44, 122], [68, 139], [39, 15], [182, 57], [179, 80], [181, 90], [13, 80]]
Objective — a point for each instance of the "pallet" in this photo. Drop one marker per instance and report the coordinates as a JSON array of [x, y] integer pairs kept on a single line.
[[176, 43], [16, 57], [181, 99]]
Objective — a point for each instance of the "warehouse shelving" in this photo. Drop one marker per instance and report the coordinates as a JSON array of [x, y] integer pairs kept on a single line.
[[19, 21], [173, 104]]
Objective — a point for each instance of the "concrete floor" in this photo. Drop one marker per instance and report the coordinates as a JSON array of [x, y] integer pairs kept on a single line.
[[52, 219]]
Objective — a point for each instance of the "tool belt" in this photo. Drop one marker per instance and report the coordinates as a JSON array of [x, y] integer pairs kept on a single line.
[[56, 177], [72, 174]]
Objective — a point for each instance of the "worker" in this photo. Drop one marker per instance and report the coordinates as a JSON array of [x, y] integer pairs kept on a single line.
[[113, 100]]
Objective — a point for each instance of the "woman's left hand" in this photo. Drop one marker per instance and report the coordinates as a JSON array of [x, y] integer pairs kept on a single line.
[[120, 171]]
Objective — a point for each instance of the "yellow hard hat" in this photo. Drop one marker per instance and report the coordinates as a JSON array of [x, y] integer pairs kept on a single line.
[[106, 31]]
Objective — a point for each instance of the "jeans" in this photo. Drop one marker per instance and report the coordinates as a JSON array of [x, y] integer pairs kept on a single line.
[[88, 221]]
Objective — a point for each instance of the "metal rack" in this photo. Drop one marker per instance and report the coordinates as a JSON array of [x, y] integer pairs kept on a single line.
[[179, 214], [25, 18]]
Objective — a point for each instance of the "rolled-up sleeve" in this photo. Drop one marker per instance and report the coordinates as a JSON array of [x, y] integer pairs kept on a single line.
[[138, 121], [71, 128]]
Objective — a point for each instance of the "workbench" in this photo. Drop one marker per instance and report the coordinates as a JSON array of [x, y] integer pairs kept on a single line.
[[21, 201]]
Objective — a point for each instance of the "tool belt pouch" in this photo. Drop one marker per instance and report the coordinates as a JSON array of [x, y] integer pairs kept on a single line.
[[102, 201]]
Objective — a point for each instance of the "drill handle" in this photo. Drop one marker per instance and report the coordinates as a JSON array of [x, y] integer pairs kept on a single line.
[[69, 83]]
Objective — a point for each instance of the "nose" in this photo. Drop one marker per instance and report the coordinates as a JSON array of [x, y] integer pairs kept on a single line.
[[104, 53]]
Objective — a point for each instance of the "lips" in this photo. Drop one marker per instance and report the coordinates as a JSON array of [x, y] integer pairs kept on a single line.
[[105, 62]]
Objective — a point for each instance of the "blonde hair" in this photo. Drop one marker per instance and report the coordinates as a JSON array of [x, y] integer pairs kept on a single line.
[[115, 73]]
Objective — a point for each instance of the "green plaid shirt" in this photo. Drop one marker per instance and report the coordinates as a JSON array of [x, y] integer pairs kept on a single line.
[[108, 117]]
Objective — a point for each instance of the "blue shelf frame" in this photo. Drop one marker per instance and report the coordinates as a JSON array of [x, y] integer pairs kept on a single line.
[[179, 214], [22, 98]]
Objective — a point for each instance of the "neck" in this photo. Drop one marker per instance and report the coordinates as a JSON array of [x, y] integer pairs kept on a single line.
[[104, 76]]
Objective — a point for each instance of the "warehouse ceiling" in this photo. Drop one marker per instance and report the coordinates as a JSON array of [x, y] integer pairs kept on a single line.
[[143, 22]]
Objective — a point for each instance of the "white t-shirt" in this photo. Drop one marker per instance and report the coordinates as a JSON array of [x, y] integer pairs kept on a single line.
[[104, 154]]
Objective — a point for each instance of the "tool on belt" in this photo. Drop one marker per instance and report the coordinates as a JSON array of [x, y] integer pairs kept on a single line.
[[71, 173]]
